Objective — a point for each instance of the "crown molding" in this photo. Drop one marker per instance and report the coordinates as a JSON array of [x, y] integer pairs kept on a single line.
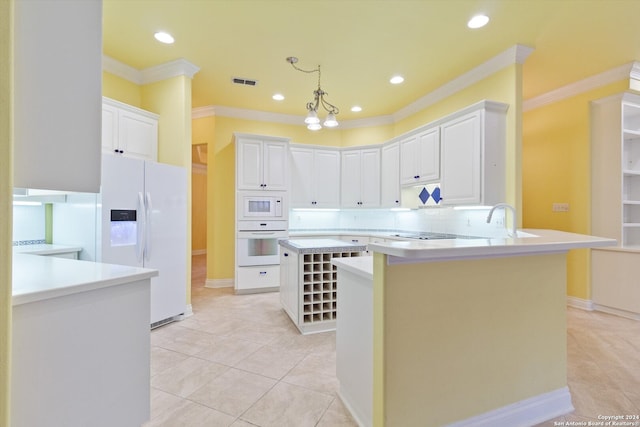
[[514, 55], [366, 122], [121, 70], [200, 112], [584, 85], [179, 67]]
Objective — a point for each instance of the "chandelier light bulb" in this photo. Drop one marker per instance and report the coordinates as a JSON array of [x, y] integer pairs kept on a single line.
[[312, 118], [314, 126], [331, 121]]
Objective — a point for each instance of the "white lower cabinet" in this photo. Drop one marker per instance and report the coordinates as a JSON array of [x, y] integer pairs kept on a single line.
[[289, 282], [615, 282], [257, 278]]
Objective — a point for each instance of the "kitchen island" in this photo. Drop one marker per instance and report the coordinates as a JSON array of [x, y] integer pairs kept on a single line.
[[308, 281], [81, 327], [459, 332]]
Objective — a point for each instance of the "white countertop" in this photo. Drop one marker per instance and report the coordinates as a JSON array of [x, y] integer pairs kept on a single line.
[[360, 265], [541, 241], [320, 245], [37, 278], [45, 249]]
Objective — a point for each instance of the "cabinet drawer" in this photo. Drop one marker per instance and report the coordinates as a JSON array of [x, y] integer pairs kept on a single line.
[[258, 277]]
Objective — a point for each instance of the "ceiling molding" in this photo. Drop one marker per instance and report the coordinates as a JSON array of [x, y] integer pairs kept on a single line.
[[611, 76], [366, 122], [121, 70], [200, 112], [241, 113], [179, 67], [514, 55]]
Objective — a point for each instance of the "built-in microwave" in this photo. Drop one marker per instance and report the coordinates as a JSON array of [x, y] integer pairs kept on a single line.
[[259, 205]]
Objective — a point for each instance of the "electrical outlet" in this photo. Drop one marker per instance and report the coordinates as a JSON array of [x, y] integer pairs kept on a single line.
[[560, 207]]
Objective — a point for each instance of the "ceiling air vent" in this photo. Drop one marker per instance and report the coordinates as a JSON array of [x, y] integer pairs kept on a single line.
[[246, 82]]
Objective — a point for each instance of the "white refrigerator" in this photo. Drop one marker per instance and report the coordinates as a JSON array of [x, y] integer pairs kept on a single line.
[[144, 223]]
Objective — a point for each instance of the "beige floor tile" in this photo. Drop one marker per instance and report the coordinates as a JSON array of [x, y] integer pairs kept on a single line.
[[187, 376], [233, 392], [287, 405], [315, 372], [271, 362], [337, 416], [183, 340], [162, 359], [228, 351], [191, 414]]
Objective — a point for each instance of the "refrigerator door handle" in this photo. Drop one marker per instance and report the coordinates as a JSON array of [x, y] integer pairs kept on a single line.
[[148, 231], [141, 229]]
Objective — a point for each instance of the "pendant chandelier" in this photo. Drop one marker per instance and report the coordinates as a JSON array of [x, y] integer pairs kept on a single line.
[[312, 120]]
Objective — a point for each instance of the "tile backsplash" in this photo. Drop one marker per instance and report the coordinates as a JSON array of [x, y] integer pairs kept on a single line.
[[28, 224], [466, 222]]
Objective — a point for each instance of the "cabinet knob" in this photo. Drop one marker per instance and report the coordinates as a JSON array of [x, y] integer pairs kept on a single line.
[[397, 201], [286, 254]]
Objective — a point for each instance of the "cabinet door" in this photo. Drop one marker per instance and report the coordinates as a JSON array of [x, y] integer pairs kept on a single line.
[[390, 175], [409, 152], [275, 167], [351, 179], [302, 194], [370, 177], [429, 155], [326, 173], [461, 168], [137, 135], [249, 165], [109, 128]]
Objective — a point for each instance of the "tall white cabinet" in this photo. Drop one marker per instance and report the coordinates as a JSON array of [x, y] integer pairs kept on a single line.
[[315, 177], [58, 93], [360, 180], [615, 203]]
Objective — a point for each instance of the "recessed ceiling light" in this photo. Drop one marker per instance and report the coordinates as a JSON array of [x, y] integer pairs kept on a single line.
[[356, 108], [478, 21], [278, 97], [396, 80], [163, 37]]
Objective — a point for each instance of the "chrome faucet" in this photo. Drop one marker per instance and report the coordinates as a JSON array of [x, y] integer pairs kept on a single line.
[[506, 206]]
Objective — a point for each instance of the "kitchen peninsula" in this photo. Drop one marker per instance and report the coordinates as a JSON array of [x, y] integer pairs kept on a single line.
[[81, 342], [456, 332]]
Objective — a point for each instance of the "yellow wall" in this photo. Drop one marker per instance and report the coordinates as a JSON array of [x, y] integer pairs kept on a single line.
[[6, 208], [557, 169], [198, 210], [465, 343], [117, 88], [503, 86]]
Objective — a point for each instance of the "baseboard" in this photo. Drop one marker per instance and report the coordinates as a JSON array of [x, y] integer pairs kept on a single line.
[[583, 304], [198, 252], [617, 311], [528, 412], [188, 311], [218, 283]]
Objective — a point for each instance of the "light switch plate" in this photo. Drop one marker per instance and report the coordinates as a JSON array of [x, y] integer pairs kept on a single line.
[[560, 207]]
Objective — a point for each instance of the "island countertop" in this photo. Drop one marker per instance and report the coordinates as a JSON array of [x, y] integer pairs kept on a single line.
[[306, 246], [37, 278], [528, 242]]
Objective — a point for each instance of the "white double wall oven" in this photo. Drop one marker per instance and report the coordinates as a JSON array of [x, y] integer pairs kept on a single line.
[[262, 220]]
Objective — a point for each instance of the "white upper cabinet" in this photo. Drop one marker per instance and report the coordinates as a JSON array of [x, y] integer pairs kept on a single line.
[[473, 156], [360, 178], [57, 72], [390, 175], [129, 131], [420, 157], [262, 163], [315, 177]]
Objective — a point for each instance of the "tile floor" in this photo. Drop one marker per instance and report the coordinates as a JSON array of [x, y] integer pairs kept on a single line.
[[239, 361]]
